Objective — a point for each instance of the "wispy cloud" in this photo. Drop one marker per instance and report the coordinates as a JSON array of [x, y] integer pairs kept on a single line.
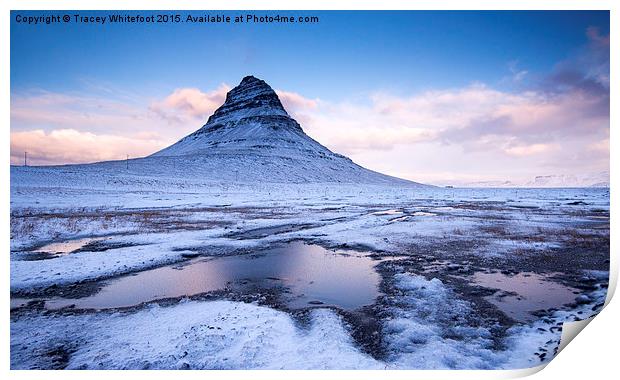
[[587, 71], [516, 74]]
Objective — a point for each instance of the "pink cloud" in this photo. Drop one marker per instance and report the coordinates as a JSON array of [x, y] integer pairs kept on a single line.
[[72, 146], [292, 101], [190, 103]]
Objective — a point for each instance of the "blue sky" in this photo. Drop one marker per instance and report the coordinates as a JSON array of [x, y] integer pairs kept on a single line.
[[346, 52], [348, 58]]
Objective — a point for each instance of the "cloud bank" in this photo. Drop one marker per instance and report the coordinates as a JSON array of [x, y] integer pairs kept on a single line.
[[73, 146]]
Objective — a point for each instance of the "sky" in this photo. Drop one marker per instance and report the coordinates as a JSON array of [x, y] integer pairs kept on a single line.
[[445, 97]]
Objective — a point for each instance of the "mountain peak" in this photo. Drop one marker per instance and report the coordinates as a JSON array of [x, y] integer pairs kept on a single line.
[[252, 82], [252, 97], [249, 79]]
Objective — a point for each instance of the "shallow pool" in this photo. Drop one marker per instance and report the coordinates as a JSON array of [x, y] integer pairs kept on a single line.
[[524, 293], [308, 274]]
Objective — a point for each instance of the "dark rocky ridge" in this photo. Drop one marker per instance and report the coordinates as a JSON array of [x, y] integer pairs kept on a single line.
[[251, 94]]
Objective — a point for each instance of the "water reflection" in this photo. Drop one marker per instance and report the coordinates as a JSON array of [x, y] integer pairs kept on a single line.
[[312, 275], [524, 293], [64, 247]]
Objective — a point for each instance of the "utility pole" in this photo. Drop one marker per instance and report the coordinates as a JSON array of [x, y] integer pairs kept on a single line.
[[25, 158], [127, 162]]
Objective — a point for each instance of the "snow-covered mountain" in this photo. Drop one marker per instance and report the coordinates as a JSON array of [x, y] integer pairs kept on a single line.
[[254, 137], [251, 121], [249, 139]]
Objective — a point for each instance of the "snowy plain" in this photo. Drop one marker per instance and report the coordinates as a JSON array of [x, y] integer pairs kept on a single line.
[[428, 244]]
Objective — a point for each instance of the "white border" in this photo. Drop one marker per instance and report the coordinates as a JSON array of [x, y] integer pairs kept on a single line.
[[595, 353]]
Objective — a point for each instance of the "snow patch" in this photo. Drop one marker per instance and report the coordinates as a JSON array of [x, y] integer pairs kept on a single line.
[[190, 335]]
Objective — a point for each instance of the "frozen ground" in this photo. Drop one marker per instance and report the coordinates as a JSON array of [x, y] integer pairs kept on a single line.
[[434, 251]]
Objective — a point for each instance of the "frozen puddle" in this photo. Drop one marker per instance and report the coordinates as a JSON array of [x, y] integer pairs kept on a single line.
[[308, 274], [52, 250], [65, 247], [524, 293]]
